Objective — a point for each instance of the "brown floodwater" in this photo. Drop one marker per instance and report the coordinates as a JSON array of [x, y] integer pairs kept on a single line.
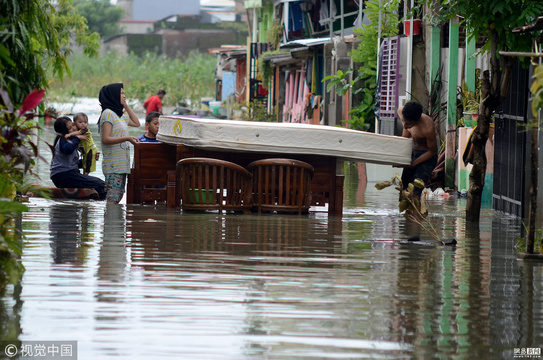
[[146, 282]]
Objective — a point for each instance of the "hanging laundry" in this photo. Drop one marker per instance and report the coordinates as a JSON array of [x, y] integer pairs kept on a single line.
[[309, 71], [325, 13], [296, 21]]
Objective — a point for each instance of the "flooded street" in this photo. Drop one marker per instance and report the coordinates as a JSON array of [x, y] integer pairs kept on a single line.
[[146, 282]]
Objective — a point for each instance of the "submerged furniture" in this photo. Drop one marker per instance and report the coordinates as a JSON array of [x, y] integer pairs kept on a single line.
[[242, 142], [282, 185], [152, 179], [213, 184]]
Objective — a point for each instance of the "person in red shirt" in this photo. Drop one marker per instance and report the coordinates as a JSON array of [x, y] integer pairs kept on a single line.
[[154, 103]]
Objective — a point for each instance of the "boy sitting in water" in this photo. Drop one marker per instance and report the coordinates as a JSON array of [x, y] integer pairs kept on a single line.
[[420, 128], [151, 128]]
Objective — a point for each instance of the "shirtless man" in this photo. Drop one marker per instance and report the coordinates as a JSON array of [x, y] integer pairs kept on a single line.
[[420, 128]]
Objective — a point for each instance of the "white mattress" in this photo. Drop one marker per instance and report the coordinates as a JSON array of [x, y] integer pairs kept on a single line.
[[285, 138]]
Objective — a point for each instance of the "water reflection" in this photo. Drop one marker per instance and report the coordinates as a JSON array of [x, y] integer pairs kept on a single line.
[[70, 234], [112, 256], [151, 282]]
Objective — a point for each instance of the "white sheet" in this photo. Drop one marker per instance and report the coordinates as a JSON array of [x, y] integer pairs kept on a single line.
[[285, 138]]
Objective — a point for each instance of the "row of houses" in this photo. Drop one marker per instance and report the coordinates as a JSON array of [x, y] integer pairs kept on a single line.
[[316, 39], [176, 27]]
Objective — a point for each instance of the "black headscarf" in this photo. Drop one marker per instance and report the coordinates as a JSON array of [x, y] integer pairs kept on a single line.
[[110, 98], [61, 128]]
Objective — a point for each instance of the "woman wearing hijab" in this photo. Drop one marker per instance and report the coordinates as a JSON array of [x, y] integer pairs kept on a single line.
[[115, 138]]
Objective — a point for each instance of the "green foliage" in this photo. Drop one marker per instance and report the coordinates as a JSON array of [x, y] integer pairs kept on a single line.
[[34, 38], [363, 116], [340, 81], [361, 113], [366, 51], [182, 78], [102, 17], [537, 90], [264, 67], [499, 19], [256, 111], [275, 33], [470, 99], [520, 243], [265, 70], [411, 205], [17, 154]]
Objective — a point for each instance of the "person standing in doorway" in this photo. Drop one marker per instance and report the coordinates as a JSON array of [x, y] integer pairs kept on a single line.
[[154, 103]]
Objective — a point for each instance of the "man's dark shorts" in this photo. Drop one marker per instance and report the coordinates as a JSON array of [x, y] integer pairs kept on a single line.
[[422, 171]]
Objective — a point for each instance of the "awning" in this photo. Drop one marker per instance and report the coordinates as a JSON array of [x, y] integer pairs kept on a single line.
[[306, 42]]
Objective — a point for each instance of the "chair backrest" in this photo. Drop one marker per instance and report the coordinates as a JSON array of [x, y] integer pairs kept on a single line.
[[152, 167], [282, 185], [213, 184]]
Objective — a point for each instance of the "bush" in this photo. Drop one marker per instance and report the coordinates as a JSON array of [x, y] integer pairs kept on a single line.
[[189, 78]]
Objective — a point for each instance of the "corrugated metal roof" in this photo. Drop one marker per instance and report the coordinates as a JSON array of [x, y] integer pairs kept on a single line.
[[306, 42]]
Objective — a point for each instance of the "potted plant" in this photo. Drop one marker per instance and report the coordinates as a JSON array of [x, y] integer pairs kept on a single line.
[[413, 16], [470, 104]]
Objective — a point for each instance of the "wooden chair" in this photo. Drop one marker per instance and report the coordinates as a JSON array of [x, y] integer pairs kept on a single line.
[[152, 178], [281, 185], [213, 184]]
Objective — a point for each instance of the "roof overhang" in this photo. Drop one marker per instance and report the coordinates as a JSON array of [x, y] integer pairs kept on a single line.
[[282, 59], [231, 51], [306, 43]]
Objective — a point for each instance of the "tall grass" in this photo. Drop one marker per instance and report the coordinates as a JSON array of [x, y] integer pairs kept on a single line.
[[189, 78]]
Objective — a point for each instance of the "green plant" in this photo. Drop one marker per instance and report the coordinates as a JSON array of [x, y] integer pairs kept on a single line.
[[537, 90], [17, 157], [35, 38], [415, 12], [275, 33], [361, 113], [102, 16], [256, 111], [411, 205], [493, 25], [265, 70], [520, 243], [365, 81], [340, 81], [188, 78], [470, 99]]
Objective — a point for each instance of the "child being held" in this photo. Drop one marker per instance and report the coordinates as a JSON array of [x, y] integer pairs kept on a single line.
[[86, 147], [151, 127]]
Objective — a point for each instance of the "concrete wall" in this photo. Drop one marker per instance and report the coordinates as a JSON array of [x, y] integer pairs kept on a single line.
[[137, 27], [141, 43], [117, 44], [182, 42], [173, 42]]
